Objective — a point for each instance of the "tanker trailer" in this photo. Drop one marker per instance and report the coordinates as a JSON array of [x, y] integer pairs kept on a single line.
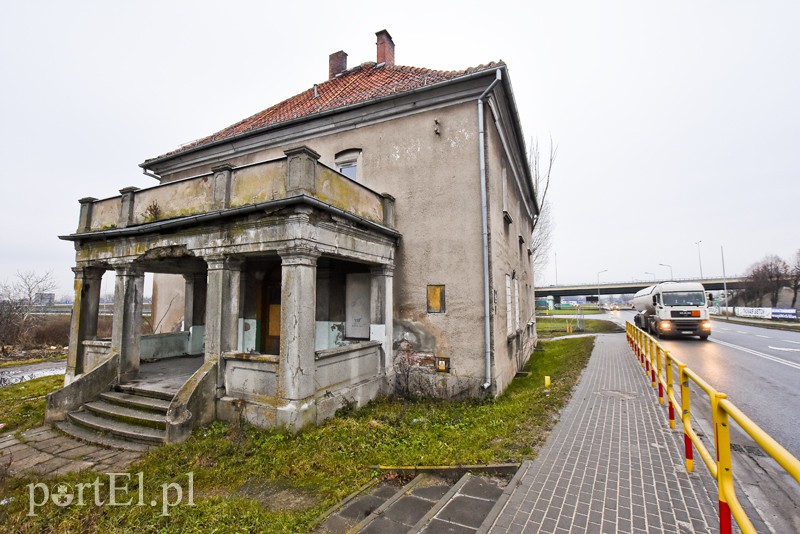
[[673, 309]]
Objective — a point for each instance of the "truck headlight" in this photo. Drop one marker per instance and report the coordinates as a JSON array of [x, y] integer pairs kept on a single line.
[[665, 325], [706, 325]]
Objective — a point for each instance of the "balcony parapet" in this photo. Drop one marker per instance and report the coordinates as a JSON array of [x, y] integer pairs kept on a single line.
[[228, 190]]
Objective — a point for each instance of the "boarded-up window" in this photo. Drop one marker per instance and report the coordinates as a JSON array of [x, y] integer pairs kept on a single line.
[[509, 316], [357, 295], [516, 304], [436, 302]]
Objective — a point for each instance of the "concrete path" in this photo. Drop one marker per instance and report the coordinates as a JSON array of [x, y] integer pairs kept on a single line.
[[44, 451], [28, 371], [612, 464]]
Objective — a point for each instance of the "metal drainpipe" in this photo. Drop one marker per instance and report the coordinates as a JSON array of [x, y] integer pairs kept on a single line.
[[485, 231]]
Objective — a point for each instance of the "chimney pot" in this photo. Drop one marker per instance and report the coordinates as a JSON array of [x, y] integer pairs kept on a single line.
[[337, 64], [385, 48]]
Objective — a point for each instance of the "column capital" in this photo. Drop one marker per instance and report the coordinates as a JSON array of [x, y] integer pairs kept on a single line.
[[128, 270], [220, 262], [384, 270], [88, 273], [299, 256]]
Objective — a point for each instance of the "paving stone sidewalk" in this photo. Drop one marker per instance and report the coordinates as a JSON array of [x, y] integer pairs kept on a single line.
[[44, 451], [612, 464]]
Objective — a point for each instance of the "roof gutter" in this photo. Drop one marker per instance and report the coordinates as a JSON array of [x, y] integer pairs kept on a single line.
[[485, 232], [190, 220]]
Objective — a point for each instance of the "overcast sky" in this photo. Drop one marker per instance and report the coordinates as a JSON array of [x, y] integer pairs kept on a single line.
[[676, 122]]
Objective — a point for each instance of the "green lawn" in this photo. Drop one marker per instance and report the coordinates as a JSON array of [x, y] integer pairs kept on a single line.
[[567, 311], [252, 480], [22, 405], [550, 327]]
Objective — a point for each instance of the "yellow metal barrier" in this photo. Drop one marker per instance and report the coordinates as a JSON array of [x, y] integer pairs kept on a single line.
[[658, 364]]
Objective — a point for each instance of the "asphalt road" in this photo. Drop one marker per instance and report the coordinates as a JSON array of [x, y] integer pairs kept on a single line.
[[759, 370]]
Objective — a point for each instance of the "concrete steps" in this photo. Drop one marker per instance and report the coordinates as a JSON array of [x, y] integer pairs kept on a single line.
[[431, 503], [128, 417]]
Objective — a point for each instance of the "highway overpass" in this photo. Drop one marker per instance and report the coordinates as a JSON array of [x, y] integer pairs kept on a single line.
[[616, 288]]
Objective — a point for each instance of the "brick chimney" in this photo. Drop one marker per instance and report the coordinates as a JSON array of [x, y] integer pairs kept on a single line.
[[337, 63], [385, 48]]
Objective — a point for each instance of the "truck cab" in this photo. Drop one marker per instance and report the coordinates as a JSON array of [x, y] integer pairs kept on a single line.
[[673, 309]]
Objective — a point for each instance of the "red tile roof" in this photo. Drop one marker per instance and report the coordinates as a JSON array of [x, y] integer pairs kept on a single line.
[[369, 81]]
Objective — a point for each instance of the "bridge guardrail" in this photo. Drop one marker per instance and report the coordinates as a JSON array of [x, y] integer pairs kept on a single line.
[[659, 364]]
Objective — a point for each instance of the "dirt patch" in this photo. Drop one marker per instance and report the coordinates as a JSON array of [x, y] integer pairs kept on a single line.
[[273, 496]]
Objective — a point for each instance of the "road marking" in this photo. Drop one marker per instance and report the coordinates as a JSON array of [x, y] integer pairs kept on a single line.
[[741, 332], [784, 349], [790, 341], [759, 354], [765, 337]]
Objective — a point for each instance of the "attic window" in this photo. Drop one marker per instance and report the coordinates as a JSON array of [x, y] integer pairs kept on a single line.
[[348, 161]]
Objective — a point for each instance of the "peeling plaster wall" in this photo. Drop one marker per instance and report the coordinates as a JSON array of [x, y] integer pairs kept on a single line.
[[435, 182], [508, 257], [429, 161]]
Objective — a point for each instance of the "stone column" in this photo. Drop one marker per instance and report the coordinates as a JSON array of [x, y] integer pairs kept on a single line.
[[382, 313], [297, 366], [126, 331], [223, 297], [83, 324]]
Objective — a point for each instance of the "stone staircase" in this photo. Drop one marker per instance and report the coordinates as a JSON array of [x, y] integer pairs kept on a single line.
[[431, 503], [130, 417]]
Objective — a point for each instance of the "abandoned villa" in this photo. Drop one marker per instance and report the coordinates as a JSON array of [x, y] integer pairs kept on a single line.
[[370, 235]]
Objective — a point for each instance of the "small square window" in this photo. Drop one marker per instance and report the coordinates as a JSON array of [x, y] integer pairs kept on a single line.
[[436, 303]]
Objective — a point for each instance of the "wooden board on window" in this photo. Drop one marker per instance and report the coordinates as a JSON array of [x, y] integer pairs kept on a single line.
[[274, 320]]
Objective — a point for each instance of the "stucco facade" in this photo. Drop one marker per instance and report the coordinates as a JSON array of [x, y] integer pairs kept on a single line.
[[334, 255]]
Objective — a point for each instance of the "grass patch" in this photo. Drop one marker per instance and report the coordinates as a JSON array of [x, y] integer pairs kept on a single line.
[[22, 404], [252, 480], [15, 363], [546, 327], [568, 311]]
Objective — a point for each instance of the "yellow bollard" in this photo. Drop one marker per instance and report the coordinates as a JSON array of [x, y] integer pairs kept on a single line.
[[547, 381]]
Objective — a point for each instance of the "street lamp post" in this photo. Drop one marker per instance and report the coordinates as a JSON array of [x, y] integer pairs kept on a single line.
[[699, 259], [598, 285], [671, 277], [653, 274]]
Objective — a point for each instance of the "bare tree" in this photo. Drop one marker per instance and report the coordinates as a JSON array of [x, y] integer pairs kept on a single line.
[[794, 277], [541, 240], [777, 272], [17, 304], [766, 278]]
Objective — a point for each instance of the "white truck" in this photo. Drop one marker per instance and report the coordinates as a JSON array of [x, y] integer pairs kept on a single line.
[[673, 309]]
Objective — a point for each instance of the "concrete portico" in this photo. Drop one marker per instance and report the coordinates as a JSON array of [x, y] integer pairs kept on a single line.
[[249, 281]]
